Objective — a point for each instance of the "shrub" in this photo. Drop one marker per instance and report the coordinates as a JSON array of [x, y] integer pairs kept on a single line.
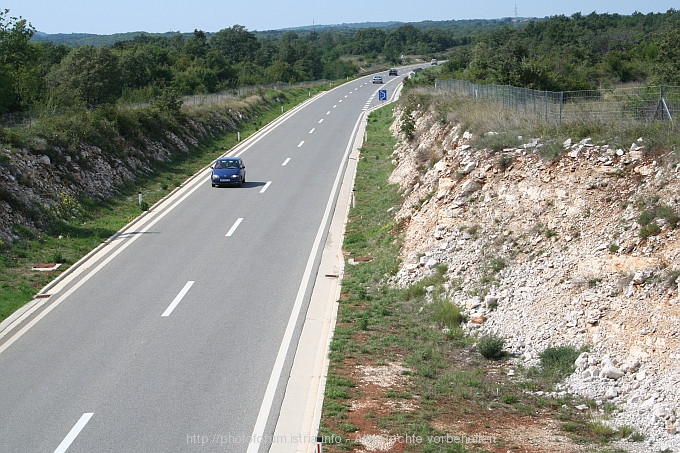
[[559, 361], [625, 431], [491, 347], [668, 213], [447, 314], [637, 437], [648, 226], [408, 124], [651, 229], [603, 432], [551, 152], [505, 161]]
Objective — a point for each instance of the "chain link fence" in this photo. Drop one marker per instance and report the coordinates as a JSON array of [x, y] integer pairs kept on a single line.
[[635, 105]]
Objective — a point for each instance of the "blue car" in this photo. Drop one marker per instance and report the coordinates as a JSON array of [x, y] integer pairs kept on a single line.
[[228, 171]]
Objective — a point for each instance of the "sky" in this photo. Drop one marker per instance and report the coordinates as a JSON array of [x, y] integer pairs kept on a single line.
[[121, 16]]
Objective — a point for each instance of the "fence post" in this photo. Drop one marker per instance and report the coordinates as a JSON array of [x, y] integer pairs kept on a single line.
[[661, 103], [561, 105]]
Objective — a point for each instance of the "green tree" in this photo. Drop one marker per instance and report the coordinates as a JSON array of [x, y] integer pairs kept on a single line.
[[248, 73], [667, 70], [88, 75], [144, 65], [197, 45], [279, 71], [368, 41], [19, 76], [404, 39], [235, 43]]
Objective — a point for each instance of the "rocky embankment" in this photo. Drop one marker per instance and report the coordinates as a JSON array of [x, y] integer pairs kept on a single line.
[[40, 182], [550, 253]]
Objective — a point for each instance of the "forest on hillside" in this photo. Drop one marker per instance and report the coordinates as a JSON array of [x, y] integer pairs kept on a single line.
[[555, 53]]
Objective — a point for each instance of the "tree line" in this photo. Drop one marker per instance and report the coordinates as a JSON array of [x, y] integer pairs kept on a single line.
[[579, 52], [41, 74], [556, 53]]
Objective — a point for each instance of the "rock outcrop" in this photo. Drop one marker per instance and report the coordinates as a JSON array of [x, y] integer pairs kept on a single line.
[[552, 252], [40, 182]]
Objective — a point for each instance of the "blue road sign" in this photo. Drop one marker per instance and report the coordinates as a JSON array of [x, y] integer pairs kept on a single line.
[[382, 95]]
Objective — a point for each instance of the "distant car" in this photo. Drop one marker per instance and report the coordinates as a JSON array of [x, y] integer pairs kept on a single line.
[[392, 72], [377, 79], [228, 171], [434, 62]]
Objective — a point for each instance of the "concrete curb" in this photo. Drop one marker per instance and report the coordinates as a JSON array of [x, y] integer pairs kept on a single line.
[[300, 416]]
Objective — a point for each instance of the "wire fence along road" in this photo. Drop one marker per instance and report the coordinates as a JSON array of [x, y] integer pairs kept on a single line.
[[636, 105]]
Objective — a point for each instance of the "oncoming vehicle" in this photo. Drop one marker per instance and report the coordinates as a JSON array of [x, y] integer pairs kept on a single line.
[[434, 62], [228, 171], [392, 72], [377, 79]]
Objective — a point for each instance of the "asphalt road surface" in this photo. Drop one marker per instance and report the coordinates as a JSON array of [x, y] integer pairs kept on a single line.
[[178, 334]]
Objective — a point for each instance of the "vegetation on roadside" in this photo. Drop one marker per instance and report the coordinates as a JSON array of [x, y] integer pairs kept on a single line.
[[447, 384], [75, 226], [556, 53], [446, 372], [496, 128]]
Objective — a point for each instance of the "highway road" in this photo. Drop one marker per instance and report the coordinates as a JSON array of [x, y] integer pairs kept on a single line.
[[179, 333]]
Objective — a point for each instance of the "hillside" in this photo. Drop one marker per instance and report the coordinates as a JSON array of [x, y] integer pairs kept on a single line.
[[580, 251], [456, 27], [43, 179]]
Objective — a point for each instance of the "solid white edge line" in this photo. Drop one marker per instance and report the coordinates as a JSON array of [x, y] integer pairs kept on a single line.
[[234, 226], [151, 221], [103, 263], [178, 298], [275, 377], [266, 186], [71, 436], [285, 162]]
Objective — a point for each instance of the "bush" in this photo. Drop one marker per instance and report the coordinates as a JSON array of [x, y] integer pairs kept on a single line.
[[647, 220], [491, 347], [505, 161], [651, 229], [408, 124], [559, 361], [447, 314]]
